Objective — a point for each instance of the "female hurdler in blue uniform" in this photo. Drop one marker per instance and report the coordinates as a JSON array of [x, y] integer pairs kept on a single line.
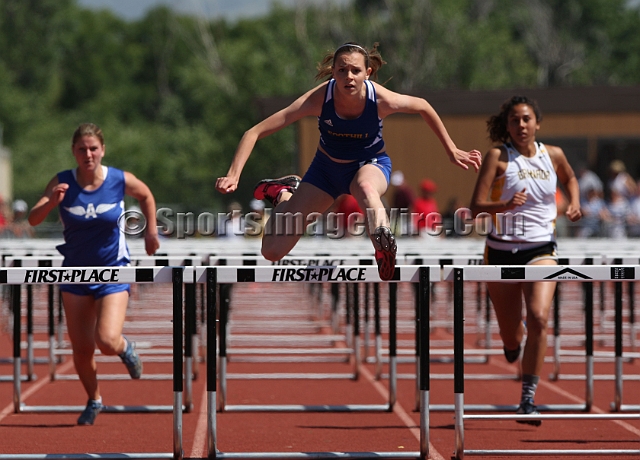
[[351, 156], [91, 201]]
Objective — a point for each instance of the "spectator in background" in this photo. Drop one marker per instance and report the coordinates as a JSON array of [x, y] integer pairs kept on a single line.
[[449, 216], [621, 181], [401, 204], [615, 214], [3, 215], [593, 211], [403, 196], [19, 227], [347, 210], [424, 205], [634, 214], [588, 180]]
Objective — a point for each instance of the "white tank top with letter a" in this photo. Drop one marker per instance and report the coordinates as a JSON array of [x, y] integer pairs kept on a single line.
[[534, 221]]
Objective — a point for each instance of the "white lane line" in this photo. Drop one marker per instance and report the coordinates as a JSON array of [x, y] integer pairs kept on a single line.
[[199, 448], [400, 412], [556, 389], [9, 409]]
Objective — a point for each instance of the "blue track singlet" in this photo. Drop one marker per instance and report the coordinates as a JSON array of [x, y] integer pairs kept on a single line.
[[358, 139], [90, 218]]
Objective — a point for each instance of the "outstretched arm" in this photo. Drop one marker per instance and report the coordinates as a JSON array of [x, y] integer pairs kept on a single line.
[[308, 104], [137, 189], [52, 196], [390, 102]]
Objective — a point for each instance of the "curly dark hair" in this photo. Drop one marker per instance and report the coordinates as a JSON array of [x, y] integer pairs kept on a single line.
[[497, 124]]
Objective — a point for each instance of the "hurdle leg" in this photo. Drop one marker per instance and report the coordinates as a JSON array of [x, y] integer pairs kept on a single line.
[[30, 357], [177, 277], [632, 316], [617, 403], [588, 314], [224, 318], [211, 287], [366, 332], [335, 297], [348, 312], [418, 336], [556, 334], [424, 359], [51, 329], [17, 362], [487, 321], [356, 331], [393, 312], [377, 330], [458, 354], [190, 320]]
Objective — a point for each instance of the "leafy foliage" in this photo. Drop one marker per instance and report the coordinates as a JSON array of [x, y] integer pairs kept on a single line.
[[175, 93]]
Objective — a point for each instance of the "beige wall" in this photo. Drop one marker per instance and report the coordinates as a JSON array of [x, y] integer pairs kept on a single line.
[[6, 181], [416, 151]]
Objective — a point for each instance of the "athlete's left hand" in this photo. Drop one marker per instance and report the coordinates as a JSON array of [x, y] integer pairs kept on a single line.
[[151, 243], [573, 213], [463, 159]]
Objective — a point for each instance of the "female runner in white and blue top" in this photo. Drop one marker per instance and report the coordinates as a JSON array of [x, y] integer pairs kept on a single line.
[[520, 177], [90, 200], [351, 156]]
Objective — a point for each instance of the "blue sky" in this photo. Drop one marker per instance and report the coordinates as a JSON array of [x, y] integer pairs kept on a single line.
[[230, 9]]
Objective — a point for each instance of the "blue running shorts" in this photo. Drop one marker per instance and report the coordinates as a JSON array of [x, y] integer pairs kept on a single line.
[[97, 291], [335, 178]]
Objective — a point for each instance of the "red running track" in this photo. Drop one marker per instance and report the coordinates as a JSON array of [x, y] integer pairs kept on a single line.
[[397, 431]]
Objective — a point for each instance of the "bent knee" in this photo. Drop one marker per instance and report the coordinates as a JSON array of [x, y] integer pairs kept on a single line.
[[109, 344]]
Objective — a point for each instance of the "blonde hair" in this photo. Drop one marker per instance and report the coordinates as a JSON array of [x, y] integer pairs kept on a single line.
[[372, 59], [87, 129]]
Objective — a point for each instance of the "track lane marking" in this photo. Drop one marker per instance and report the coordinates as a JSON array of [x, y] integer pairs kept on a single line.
[[556, 389], [400, 412], [199, 448], [9, 409]]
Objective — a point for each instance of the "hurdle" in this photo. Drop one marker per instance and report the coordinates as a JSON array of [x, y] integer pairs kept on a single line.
[[274, 354], [212, 276], [65, 275], [583, 273], [56, 351], [316, 274], [15, 277]]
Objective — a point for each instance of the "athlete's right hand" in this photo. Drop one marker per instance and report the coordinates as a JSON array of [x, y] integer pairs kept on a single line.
[[57, 193], [226, 184], [518, 199]]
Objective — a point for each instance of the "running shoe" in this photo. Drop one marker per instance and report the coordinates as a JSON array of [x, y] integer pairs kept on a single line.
[[90, 413], [269, 189], [527, 407], [131, 359], [512, 355], [385, 245]]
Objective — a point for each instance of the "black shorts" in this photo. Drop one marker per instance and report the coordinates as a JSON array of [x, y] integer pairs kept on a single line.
[[520, 257]]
